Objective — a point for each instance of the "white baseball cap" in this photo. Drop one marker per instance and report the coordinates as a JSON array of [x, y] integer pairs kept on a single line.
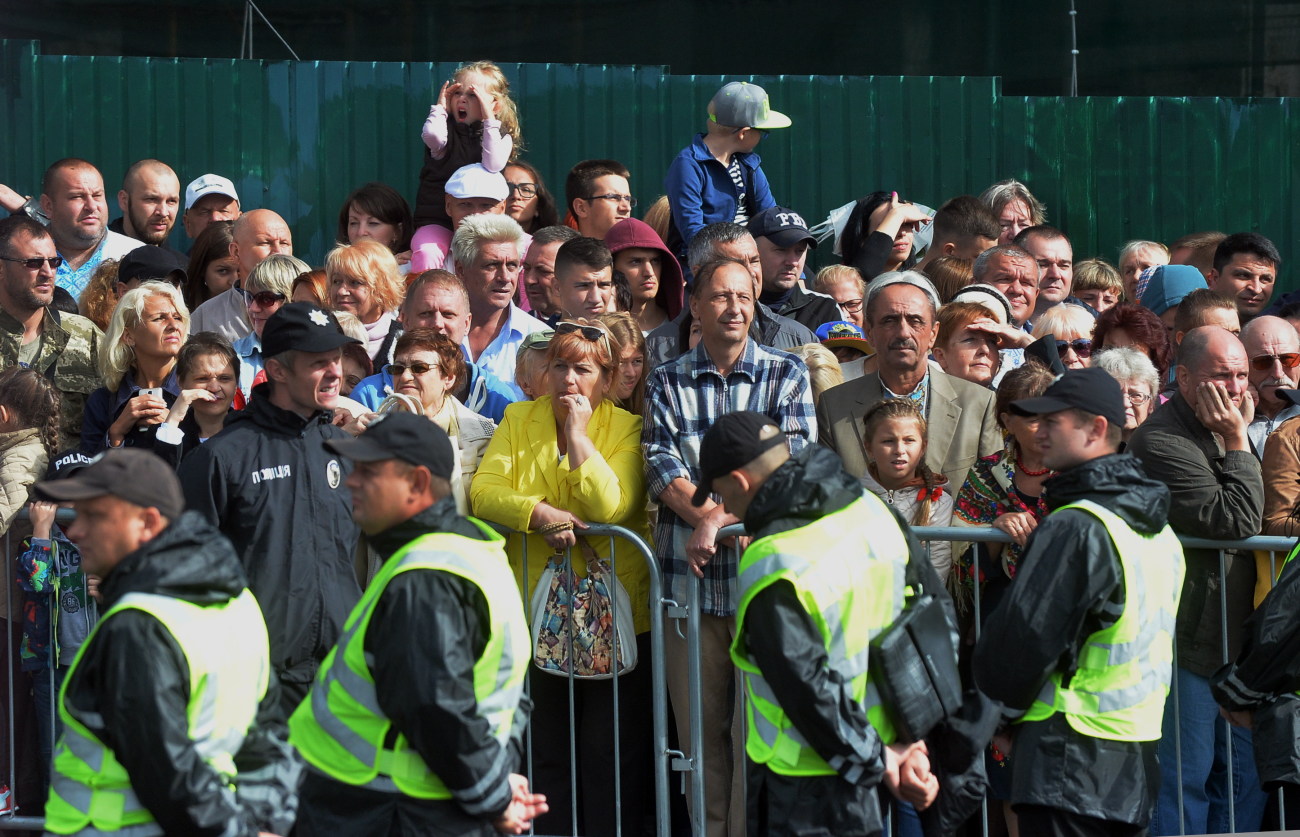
[[474, 181], [209, 184]]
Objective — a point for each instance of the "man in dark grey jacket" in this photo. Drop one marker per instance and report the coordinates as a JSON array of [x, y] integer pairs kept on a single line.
[[1197, 445], [717, 241]]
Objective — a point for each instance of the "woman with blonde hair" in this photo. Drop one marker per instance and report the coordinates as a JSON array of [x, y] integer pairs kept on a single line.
[[364, 281], [1072, 327], [137, 362], [824, 369], [629, 386], [555, 465]]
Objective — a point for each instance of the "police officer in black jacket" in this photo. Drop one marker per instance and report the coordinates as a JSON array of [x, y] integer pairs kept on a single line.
[[268, 483], [415, 723]]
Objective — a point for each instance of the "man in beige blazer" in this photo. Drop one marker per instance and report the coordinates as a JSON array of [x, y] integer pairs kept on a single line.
[[900, 315]]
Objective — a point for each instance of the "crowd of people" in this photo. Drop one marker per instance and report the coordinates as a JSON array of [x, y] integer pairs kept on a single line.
[[237, 429]]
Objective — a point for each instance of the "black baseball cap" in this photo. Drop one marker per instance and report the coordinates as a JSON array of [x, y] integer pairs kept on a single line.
[[1092, 390], [734, 441], [783, 227], [405, 436], [145, 263], [302, 327], [66, 464], [136, 476]]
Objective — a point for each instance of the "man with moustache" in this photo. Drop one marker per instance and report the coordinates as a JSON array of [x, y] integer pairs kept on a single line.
[[208, 199], [901, 311], [1273, 349], [72, 197]]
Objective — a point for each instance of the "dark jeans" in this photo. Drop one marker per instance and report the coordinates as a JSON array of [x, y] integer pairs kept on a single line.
[[45, 694], [1040, 821], [594, 719], [18, 715]]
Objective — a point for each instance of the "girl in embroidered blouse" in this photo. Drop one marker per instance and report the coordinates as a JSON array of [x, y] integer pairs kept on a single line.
[[897, 473], [1004, 490]]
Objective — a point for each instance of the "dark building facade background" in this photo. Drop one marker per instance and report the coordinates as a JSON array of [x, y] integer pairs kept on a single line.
[[1154, 48]]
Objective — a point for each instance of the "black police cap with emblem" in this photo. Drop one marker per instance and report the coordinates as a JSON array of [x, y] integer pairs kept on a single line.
[[302, 327]]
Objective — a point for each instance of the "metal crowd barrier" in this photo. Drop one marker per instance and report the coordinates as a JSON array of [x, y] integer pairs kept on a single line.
[[665, 758], [1278, 547]]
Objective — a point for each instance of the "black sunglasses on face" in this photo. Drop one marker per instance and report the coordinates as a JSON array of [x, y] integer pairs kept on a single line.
[[35, 264], [1082, 347], [265, 299]]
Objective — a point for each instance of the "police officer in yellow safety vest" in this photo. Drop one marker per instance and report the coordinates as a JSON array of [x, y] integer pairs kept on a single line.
[[823, 575], [416, 719], [1081, 647], [170, 715]]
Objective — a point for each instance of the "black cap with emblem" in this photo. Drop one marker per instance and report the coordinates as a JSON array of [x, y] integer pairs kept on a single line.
[[405, 436], [302, 327]]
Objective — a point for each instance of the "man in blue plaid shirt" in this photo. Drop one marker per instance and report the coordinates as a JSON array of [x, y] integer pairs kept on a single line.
[[727, 371]]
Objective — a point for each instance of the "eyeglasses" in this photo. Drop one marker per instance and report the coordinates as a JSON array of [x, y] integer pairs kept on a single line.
[[852, 306], [525, 190], [1263, 363], [1082, 347], [264, 299], [55, 261], [1137, 398], [762, 132], [417, 368], [628, 199]]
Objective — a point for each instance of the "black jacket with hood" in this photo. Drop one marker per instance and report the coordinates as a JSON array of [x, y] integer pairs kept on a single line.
[[1069, 585], [131, 689], [426, 689], [269, 485], [789, 650]]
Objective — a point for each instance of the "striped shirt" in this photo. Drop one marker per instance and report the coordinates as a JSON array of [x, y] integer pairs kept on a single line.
[[683, 399]]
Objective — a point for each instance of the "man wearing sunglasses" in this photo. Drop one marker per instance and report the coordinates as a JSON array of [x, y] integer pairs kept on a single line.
[[62, 347], [1274, 351]]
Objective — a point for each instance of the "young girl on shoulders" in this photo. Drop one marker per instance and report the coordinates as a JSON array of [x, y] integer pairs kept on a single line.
[[473, 121], [897, 473]]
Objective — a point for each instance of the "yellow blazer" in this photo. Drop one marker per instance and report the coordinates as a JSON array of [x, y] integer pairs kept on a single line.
[[521, 468]]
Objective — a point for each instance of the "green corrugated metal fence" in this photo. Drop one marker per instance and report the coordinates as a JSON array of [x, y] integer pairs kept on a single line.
[[298, 136]]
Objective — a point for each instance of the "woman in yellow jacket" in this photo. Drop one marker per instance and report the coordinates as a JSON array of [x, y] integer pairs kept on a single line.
[[573, 457]]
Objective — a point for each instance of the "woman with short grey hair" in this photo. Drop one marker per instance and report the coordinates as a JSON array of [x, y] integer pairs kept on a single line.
[[1138, 381]]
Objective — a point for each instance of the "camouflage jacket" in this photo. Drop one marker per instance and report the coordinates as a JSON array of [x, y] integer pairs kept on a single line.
[[69, 356]]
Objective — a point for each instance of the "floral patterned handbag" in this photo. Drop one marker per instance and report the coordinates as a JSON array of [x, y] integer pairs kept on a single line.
[[574, 620]]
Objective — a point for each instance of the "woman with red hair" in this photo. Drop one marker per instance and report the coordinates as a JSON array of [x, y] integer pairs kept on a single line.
[[1129, 324]]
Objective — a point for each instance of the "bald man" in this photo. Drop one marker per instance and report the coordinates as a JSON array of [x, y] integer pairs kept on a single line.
[[257, 234], [1197, 445], [72, 197], [149, 199], [1273, 348]]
